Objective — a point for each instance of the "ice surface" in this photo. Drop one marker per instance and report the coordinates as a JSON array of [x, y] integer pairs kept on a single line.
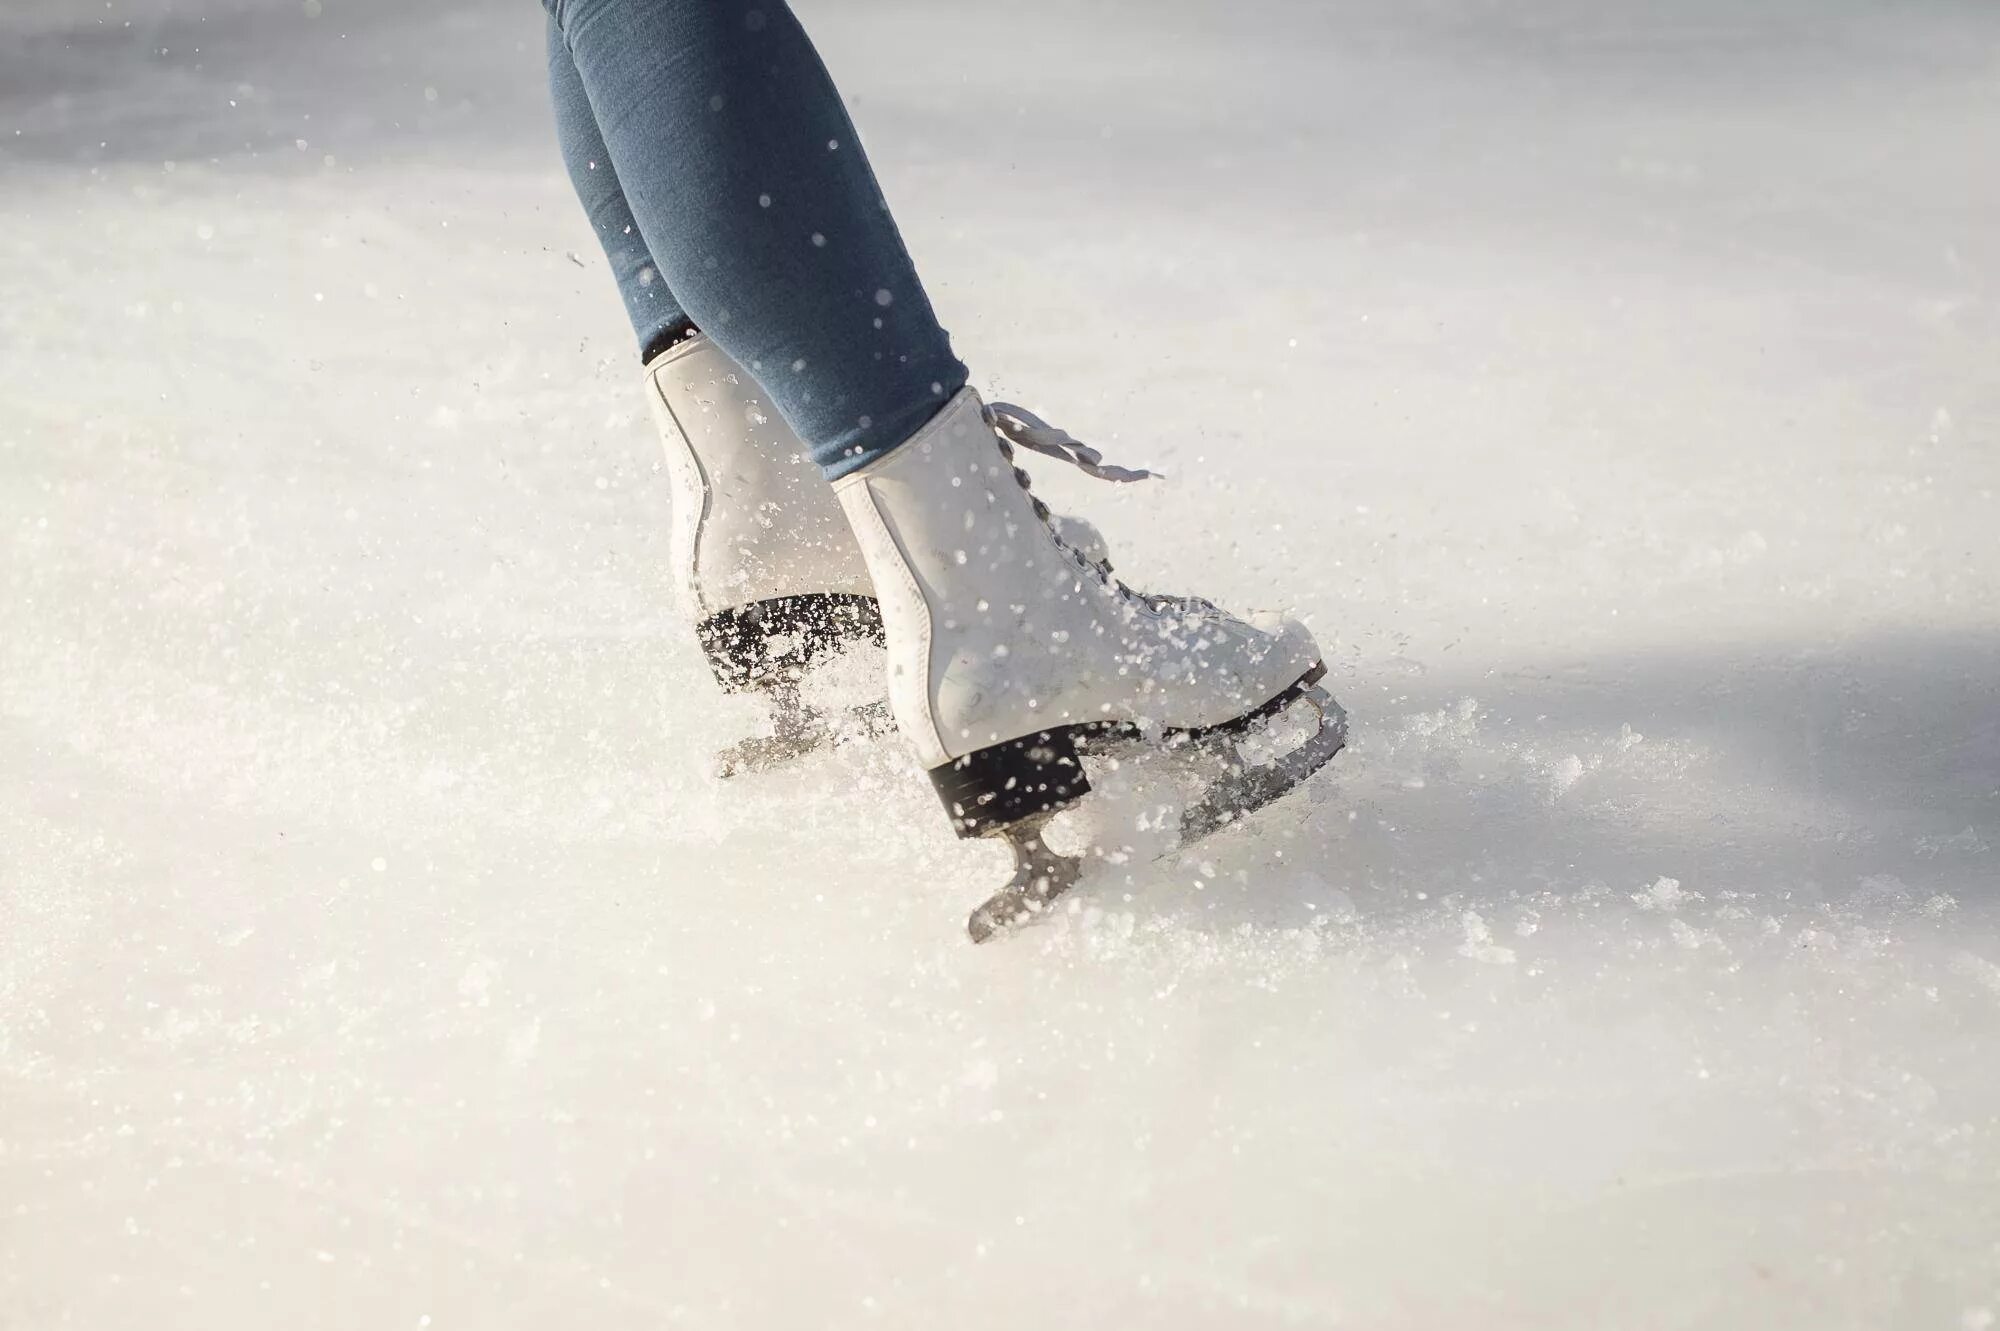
[[1612, 385]]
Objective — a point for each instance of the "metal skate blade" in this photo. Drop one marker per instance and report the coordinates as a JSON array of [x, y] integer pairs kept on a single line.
[[1040, 876], [1249, 788], [799, 730], [869, 721], [765, 753]]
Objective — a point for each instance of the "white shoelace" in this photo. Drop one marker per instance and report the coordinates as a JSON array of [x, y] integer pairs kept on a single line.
[[1020, 426]]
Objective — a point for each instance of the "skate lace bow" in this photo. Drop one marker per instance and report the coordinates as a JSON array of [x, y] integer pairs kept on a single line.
[[1017, 425]]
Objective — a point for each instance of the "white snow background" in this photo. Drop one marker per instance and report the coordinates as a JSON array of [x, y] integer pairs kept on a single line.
[[1614, 385]]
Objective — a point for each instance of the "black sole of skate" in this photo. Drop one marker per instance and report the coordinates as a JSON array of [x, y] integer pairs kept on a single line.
[[766, 643], [1011, 791]]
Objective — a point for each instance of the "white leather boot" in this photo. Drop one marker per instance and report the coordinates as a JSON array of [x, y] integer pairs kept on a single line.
[[1011, 653], [764, 563]]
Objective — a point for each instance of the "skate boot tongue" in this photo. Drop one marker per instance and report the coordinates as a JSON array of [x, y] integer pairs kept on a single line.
[[1082, 536], [1017, 426]]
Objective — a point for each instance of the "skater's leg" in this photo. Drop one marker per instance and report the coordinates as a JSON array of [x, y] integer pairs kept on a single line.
[[657, 317], [1012, 650], [764, 564], [754, 199]]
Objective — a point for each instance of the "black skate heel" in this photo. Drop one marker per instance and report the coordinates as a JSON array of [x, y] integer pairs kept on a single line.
[[770, 643], [989, 790]]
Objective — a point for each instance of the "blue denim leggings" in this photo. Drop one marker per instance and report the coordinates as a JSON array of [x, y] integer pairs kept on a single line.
[[715, 161]]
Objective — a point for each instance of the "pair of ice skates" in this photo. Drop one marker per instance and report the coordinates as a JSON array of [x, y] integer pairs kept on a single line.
[[1012, 650]]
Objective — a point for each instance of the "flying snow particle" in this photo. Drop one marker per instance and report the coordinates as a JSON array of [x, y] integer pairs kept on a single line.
[[1664, 894], [475, 986], [1479, 944]]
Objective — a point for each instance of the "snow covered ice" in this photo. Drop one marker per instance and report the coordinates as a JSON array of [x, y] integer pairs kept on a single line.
[[1615, 387]]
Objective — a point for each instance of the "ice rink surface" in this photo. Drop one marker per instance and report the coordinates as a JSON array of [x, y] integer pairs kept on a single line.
[[1615, 388]]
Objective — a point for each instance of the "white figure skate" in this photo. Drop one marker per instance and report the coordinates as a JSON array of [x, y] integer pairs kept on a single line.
[[1012, 654], [764, 563]]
